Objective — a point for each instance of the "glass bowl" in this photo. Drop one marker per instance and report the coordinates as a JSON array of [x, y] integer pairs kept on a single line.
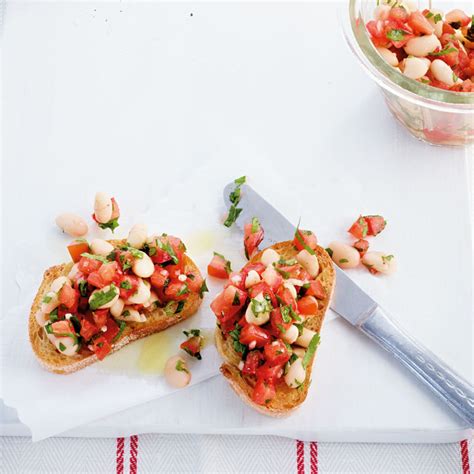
[[430, 114]]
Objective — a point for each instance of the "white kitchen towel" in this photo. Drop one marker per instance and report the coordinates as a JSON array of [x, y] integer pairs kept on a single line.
[[147, 454]]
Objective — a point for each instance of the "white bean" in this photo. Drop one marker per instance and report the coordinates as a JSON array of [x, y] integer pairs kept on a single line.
[[421, 46], [260, 318], [299, 351], [309, 262], [101, 247], [143, 267], [153, 299], [344, 255], [142, 294], [50, 302], [269, 257], [41, 318], [290, 335], [65, 345], [291, 288], [380, 262], [305, 337], [103, 208], [271, 277], [442, 72], [176, 372], [138, 236], [58, 283], [388, 55], [73, 272], [72, 224], [252, 279], [131, 315], [437, 25], [117, 308], [106, 289], [414, 68], [296, 374]]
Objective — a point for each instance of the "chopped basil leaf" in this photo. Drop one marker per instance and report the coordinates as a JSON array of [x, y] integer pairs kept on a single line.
[[387, 258], [126, 313], [83, 287], [236, 300], [234, 198], [151, 251], [192, 333], [48, 328], [285, 313], [135, 252], [94, 257], [112, 256], [281, 328], [444, 51], [180, 307], [283, 273], [191, 277], [238, 346], [166, 247], [170, 308], [102, 297], [180, 366], [126, 285], [260, 307], [343, 260], [396, 35], [62, 347], [300, 239], [228, 265], [313, 344], [300, 328], [203, 289], [234, 213], [53, 316], [329, 251], [289, 262], [112, 225], [429, 14], [437, 18], [184, 290], [240, 180], [255, 225], [121, 329], [47, 299]]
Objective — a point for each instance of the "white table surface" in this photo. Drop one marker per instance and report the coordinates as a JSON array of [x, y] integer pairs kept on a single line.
[[128, 97]]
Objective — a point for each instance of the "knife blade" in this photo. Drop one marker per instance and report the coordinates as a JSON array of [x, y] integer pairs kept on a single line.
[[359, 309]]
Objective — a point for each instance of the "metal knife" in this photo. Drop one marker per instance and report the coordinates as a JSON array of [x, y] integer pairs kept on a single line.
[[360, 310]]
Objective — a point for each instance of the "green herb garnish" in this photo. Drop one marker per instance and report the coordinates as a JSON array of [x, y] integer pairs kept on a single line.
[[181, 367], [300, 239], [260, 307], [94, 257], [166, 247], [313, 344], [101, 297], [47, 299], [184, 290], [228, 265], [444, 51], [121, 329], [255, 225], [62, 347], [126, 285], [234, 198], [112, 225], [235, 335], [82, 286], [192, 333], [203, 289], [396, 35]]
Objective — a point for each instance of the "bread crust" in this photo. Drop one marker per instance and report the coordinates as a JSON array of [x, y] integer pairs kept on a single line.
[[287, 399], [157, 320]]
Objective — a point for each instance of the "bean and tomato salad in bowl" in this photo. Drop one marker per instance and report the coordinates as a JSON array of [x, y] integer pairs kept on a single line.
[[422, 57]]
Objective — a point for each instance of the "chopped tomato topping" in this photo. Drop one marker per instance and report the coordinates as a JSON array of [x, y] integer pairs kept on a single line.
[[69, 297], [159, 278], [176, 291], [276, 353], [192, 346], [76, 249], [262, 287], [253, 236], [361, 246], [375, 224], [359, 228], [100, 317], [88, 328], [270, 372], [194, 282], [279, 326], [111, 331], [252, 362], [101, 347], [308, 305], [305, 238], [108, 271], [286, 298], [228, 303], [419, 24], [263, 392], [88, 265], [62, 328], [316, 289], [219, 267], [254, 334], [127, 285], [94, 279]]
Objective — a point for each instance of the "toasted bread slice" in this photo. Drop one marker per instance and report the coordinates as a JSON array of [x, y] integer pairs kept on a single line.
[[157, 320], [287, 399]]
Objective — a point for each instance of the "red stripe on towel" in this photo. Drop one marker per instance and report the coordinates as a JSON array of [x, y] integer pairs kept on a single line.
[[465, 457], [299, 457], [119, 459], [133, 454], [313, 456]]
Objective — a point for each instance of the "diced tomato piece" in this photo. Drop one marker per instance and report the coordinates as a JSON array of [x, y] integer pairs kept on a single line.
[[293, 271], [361, 246], [252, 362], [159, 278], [308, 305], [270, 373], [279, 327], [398, 13], [83, 303], [219, 267], [262, 287], [94, 279], [254, 334], [112, 329], [194, 282], [101, 347], [276, 353], [176, 291], [100, 317], [447, 28], [305, 238], [375, 224], [259, 267], [286, 298], [108, 271], [419, 23], [175, 270], [253, 236], [76, 249], [359, 228], [88, 329], [192, 346], [263, 392], [69, 297], [115, 210], [62, 328], [236, 279], [316, 289], [228, 303], [127, 285], [377, 33], [170, 247], [272, 278], [88, 265]]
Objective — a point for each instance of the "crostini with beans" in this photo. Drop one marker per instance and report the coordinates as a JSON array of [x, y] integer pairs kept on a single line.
[[113, 292], [426, 46], [269, 317]]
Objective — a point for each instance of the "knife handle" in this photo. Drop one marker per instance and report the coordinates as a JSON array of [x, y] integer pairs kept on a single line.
[[450, 387]]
